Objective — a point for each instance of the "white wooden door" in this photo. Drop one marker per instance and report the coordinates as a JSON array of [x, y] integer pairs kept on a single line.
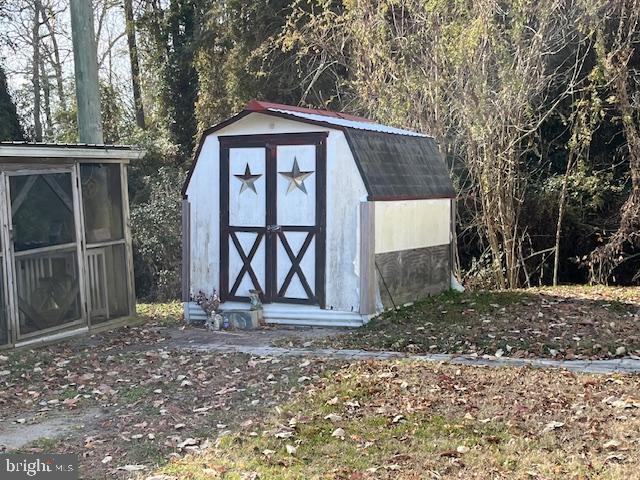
[[246, 241], [296, 200]]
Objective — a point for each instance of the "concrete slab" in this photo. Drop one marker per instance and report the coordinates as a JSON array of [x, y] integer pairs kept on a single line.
[[18, 432]]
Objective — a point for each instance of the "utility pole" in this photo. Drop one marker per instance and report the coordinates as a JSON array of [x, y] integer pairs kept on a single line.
[[85, 59]]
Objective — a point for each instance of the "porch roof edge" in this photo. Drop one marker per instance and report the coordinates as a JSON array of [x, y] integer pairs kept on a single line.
[[79, 152]]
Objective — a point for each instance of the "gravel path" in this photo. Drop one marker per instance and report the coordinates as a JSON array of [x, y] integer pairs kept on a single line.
[[259, 343]]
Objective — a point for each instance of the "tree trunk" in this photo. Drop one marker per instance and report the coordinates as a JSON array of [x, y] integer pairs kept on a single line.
[[46, 96], [561, 207], [35, 73], [55, 61], [135, 65], [86, 71]]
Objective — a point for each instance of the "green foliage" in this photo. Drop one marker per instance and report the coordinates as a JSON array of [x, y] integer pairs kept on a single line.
[[154, 191], [240, 59], [157, 235], [117, 124], [512, 91], [10, 128], [170, 38]]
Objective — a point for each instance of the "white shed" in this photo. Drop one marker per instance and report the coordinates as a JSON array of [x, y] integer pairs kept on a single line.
[[331, 217]]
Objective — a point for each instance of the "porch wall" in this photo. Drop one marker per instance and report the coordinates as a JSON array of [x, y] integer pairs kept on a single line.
[[102, 262]]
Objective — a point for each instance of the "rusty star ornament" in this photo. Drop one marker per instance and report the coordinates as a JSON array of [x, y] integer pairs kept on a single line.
[[296, 177], [248, 180]]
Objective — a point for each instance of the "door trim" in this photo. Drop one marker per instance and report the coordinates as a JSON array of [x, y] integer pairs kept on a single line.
[[270, 142]]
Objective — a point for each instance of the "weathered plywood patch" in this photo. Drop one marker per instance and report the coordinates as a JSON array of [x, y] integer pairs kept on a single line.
[[408, 275]]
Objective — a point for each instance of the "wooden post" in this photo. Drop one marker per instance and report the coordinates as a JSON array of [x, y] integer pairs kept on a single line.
[[86, 69], [7, 260], [186, 251], [81, 247], [367, 259], [131, 285], [453, 240]]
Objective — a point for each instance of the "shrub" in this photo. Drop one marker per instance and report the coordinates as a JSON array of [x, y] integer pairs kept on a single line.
[[154, 188]]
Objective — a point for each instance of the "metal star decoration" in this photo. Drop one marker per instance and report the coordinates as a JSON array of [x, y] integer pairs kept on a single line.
[[248, 180], [296, 177]]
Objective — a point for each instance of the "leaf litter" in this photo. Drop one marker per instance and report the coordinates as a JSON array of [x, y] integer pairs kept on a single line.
[[155, 403], [572, 322]]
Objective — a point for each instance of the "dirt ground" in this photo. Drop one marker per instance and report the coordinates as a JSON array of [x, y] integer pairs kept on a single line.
[[130, 399], [156, 400]]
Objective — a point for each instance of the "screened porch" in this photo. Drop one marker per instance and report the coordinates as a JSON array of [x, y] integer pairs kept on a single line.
[[65, 244]]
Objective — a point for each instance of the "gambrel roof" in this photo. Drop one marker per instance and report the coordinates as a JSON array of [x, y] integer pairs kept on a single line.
[[395, 164]]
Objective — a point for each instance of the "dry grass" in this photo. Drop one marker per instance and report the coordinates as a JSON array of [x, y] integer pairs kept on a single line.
[[418, 421], [563, 322], [165, 314]]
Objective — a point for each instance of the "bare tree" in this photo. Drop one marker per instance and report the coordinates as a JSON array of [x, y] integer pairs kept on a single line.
[[480, 78], [620, 36], [54, 54], [583, 122], [135, 64], [35, 76]]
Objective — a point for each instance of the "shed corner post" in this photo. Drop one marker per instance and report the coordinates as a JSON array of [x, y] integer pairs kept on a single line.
[[367, 259], [186, 256], [454, 263]]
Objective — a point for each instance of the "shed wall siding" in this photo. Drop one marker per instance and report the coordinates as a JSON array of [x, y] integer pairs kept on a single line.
[[412, 249], [204, 209], [345, 191], [412, 224]]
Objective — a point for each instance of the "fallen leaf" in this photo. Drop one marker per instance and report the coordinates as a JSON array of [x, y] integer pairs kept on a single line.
[[552, 425], [338, 433], [334, 417], [611, 445], [132, 468], [291, 450], [397, 418], [189, 442]]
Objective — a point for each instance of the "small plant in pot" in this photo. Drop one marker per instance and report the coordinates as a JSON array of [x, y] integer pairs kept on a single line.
[[210, 304]]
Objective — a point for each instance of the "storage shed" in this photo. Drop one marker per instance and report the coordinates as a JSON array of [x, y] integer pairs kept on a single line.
[[331, 217], [65, 246]]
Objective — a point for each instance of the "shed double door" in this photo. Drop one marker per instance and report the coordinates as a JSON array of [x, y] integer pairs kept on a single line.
[[272, 235]]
